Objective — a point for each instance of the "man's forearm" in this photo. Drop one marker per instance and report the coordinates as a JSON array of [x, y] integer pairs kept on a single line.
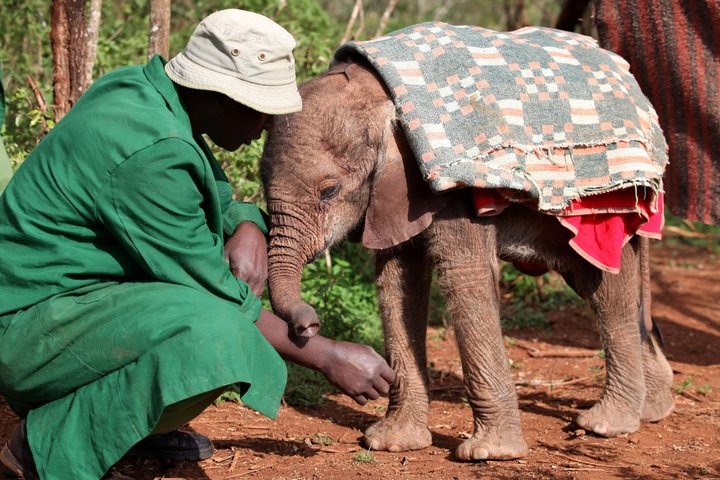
[[355, 369], [308, 352]]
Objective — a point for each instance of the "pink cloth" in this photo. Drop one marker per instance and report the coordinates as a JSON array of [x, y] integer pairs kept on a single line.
[[601, 224]]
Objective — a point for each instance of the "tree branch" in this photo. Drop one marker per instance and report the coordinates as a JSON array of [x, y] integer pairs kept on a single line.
[[351, 22], [386, 17]]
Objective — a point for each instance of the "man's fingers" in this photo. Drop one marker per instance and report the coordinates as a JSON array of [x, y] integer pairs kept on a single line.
[[389, 375], [372, 394], [360, 399], [382, 386], [257, 288]]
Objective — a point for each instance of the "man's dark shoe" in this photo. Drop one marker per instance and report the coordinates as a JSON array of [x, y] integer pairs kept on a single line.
[[174, 445], [16, 456]]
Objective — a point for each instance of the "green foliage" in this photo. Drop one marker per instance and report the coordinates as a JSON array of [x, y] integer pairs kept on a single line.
[[684, 385], [24, 52], [344, 300], [232, 394], [364, 457], [526, 300], [27, 125], [707, 239], [704, 389], [321, 439]]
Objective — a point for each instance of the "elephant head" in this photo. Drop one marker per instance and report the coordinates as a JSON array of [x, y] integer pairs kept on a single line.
[[341, 164]]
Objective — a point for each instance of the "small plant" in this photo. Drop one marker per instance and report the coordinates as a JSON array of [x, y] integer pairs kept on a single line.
[[438, 335], [232, 394], [704, 389], [321, 439], [364, 457], [684, 385], [601, 354]]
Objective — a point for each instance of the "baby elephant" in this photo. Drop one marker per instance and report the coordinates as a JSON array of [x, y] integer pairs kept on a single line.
[[342, 166]]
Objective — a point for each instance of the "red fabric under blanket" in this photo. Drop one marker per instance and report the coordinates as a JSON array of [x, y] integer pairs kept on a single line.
[[601, 224]]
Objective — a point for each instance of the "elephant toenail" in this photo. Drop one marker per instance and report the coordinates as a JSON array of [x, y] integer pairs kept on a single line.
[[480, 454]]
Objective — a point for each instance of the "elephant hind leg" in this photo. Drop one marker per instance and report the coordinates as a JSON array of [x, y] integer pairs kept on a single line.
[[614, 299], [658, 382]]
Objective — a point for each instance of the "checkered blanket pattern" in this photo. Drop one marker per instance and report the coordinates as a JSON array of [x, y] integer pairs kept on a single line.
[[539, 114]]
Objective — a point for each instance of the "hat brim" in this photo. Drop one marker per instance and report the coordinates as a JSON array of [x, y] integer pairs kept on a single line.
[[273, 100]]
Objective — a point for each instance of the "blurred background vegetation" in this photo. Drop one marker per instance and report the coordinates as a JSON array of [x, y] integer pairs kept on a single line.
[[341, 285]]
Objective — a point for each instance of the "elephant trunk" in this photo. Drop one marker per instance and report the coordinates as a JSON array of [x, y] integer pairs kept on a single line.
[[285, 264]]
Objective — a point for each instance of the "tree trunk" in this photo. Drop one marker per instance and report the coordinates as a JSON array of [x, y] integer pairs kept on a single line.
[[571, 13], [61, 67], [515, 14], [68, 47], [92, 33], [159, 37]]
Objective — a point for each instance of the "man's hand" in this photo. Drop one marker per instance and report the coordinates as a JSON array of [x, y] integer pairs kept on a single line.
[[246, 254], [358, 371], [355, 369]]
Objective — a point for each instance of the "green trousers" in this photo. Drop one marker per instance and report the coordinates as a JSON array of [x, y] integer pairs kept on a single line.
[[95, 369], [5, 168]]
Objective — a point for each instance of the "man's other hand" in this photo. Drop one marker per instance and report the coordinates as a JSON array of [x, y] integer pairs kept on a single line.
[[246, 254]]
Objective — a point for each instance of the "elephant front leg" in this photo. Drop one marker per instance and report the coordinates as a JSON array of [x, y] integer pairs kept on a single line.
[[473, 301], [468, 274], [403, 287]]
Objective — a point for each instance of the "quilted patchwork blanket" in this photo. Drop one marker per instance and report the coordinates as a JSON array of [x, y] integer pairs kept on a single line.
[[539, 114]]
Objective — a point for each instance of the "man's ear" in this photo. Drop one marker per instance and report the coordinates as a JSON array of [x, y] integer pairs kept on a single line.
[[401, 202]]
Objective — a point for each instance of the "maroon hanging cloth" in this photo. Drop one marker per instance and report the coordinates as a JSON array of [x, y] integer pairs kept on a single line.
[[673, 47]]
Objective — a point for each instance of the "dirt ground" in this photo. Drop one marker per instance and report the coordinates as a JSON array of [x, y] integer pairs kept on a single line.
[[558, 372]]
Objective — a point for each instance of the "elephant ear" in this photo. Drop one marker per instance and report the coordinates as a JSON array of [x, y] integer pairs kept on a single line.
[[401, 202]]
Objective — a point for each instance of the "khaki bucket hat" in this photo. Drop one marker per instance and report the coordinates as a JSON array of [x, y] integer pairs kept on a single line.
[[243, 55]]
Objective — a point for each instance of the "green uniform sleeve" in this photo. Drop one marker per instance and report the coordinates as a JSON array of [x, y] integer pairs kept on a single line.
[[234, 212], [160, 205]]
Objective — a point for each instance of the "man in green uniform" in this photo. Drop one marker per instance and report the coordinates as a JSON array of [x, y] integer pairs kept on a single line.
[[5, 169], [120, 316]]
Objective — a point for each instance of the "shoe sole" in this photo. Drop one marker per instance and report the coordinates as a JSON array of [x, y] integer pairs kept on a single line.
[[177, 456]]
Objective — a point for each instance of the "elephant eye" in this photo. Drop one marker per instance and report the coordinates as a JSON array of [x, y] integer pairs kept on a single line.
[[330, 192]]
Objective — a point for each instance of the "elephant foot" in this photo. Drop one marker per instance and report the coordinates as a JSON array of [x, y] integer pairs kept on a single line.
[[658, 374], [607, 421], [657, 406], [397, 436], [500, 444]]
